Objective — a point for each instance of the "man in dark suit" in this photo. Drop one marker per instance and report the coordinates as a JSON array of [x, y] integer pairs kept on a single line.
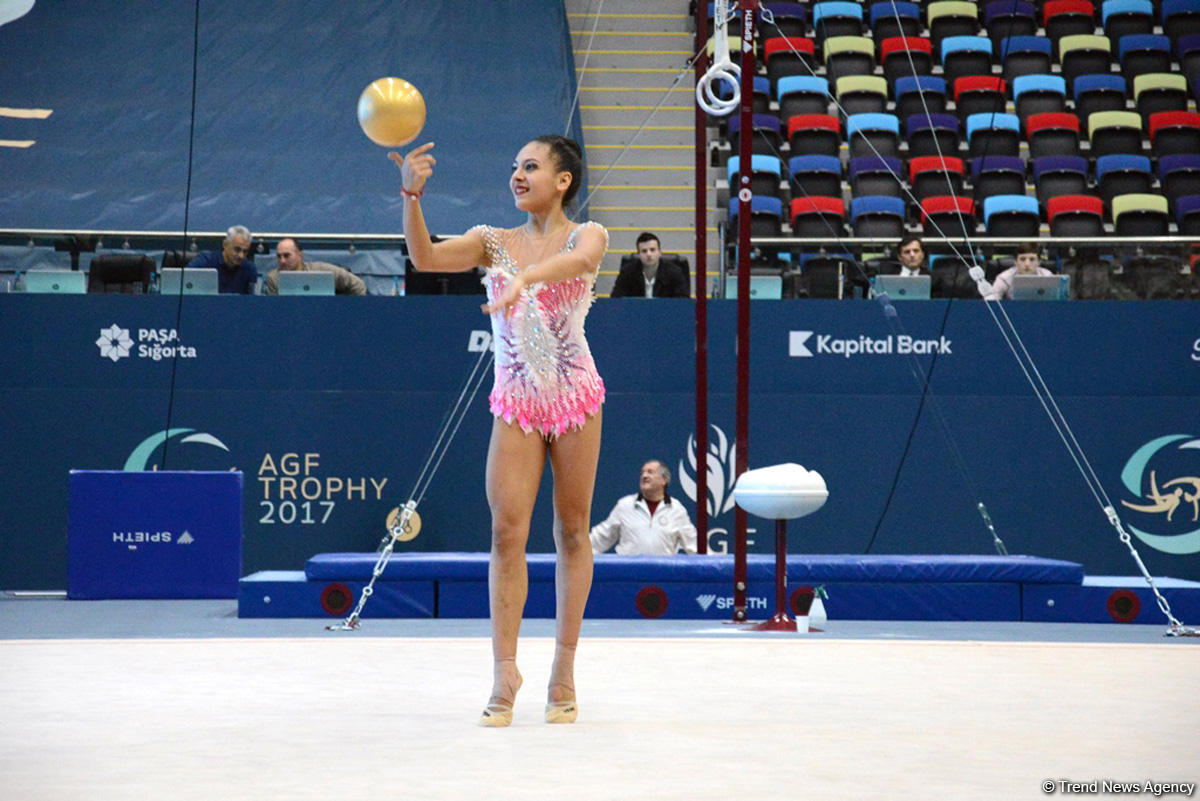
[[911, 261], [649, 274]]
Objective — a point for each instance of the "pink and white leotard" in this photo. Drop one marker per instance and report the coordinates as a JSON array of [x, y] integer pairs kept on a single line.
[[546, 380]]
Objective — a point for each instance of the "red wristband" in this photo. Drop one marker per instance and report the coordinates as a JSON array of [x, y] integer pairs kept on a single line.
[[413, 195]]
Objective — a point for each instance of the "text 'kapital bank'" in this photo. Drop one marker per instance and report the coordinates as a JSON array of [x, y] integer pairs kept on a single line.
[[802, 345]]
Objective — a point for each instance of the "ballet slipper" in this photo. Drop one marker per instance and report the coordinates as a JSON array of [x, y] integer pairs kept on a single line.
[[562, 711], [496, 715], [499, 711]]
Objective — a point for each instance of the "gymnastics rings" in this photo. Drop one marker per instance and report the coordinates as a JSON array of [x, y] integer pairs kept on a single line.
[[722, 68]]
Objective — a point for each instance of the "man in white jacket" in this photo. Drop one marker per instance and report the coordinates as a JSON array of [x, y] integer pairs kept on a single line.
[[650, 523]]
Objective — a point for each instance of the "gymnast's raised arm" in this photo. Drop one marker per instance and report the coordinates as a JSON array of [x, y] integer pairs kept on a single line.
[[452, 256]]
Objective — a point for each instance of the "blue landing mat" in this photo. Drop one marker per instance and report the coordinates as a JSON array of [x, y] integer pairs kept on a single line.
[[760, 567], [875, 587]]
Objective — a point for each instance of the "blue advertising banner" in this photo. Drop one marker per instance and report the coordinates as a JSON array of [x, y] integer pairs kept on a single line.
[[331, 407], [154, 534]]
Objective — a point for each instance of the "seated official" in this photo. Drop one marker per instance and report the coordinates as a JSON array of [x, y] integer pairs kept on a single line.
[[911, 261], [650, 274], [289, 257], [650, 523], [236, 273], [1027, 262]]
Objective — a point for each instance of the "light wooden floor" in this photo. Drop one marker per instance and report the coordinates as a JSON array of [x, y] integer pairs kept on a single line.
[[341, 717]]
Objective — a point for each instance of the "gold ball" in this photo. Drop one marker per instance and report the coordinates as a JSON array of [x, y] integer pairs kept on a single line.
[[391, 112]]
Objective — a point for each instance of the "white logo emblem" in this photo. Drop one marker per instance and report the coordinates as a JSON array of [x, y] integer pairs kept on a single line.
[[705, 601], [114, 343], [721, 462], [185, 538], [796, 340]]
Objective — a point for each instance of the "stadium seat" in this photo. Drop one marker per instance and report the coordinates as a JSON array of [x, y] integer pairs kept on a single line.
[[1067, 18], [1005, 18], [1098, 92], [862, 94], [1187, 215], [120, 273], [1115, 132], [935, 175], [766, 139], [873, 135], [877, 216], [848, 55], [1179, 175], [979, 94], [788, 55], [1059, 175], [1011, 215], [815, 176], [1140, 215], [802, 94], [1024, 55], [905, 56], [1159, 91], [1124, 17], [788, 19], [890, 19], [916, 94], [875, 175], [1037, 94], [965, 55], [1187, 53], [1180, 18], [1143, 53], [832, 19], [993, 135], [766, 215], [829, 276], [997, 175], [1084, 54], [1052, 133], [952, 274], [1173, 132], [948, 18], [931, 135], [948, 215], [1075, 215], [1122, 174], [762, 94], [817, 216], [814, 135], [766, 173]]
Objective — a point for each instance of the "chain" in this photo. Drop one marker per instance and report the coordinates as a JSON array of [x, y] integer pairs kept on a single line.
[[351, 623], [1174, 627]]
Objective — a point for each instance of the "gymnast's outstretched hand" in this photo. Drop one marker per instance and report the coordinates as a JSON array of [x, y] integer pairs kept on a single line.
[[508, 298]]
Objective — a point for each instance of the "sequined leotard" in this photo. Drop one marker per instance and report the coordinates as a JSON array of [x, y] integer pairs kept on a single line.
[[545, 380]]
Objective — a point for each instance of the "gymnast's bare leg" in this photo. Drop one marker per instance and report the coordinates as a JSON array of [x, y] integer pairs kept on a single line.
[[573, 459], [514, 470]]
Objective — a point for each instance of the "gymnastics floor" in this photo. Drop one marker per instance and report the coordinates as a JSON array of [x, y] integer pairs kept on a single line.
[[184, 700]]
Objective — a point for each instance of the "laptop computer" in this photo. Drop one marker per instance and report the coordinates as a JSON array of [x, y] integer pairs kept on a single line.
[[1041, 287], [197, 281], [68, 282], [303, 282], [903, 287], [762, 287]]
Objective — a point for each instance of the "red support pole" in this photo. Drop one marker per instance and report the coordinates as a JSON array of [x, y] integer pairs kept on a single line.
[[701, 289], [781, 621], [749, 9]]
